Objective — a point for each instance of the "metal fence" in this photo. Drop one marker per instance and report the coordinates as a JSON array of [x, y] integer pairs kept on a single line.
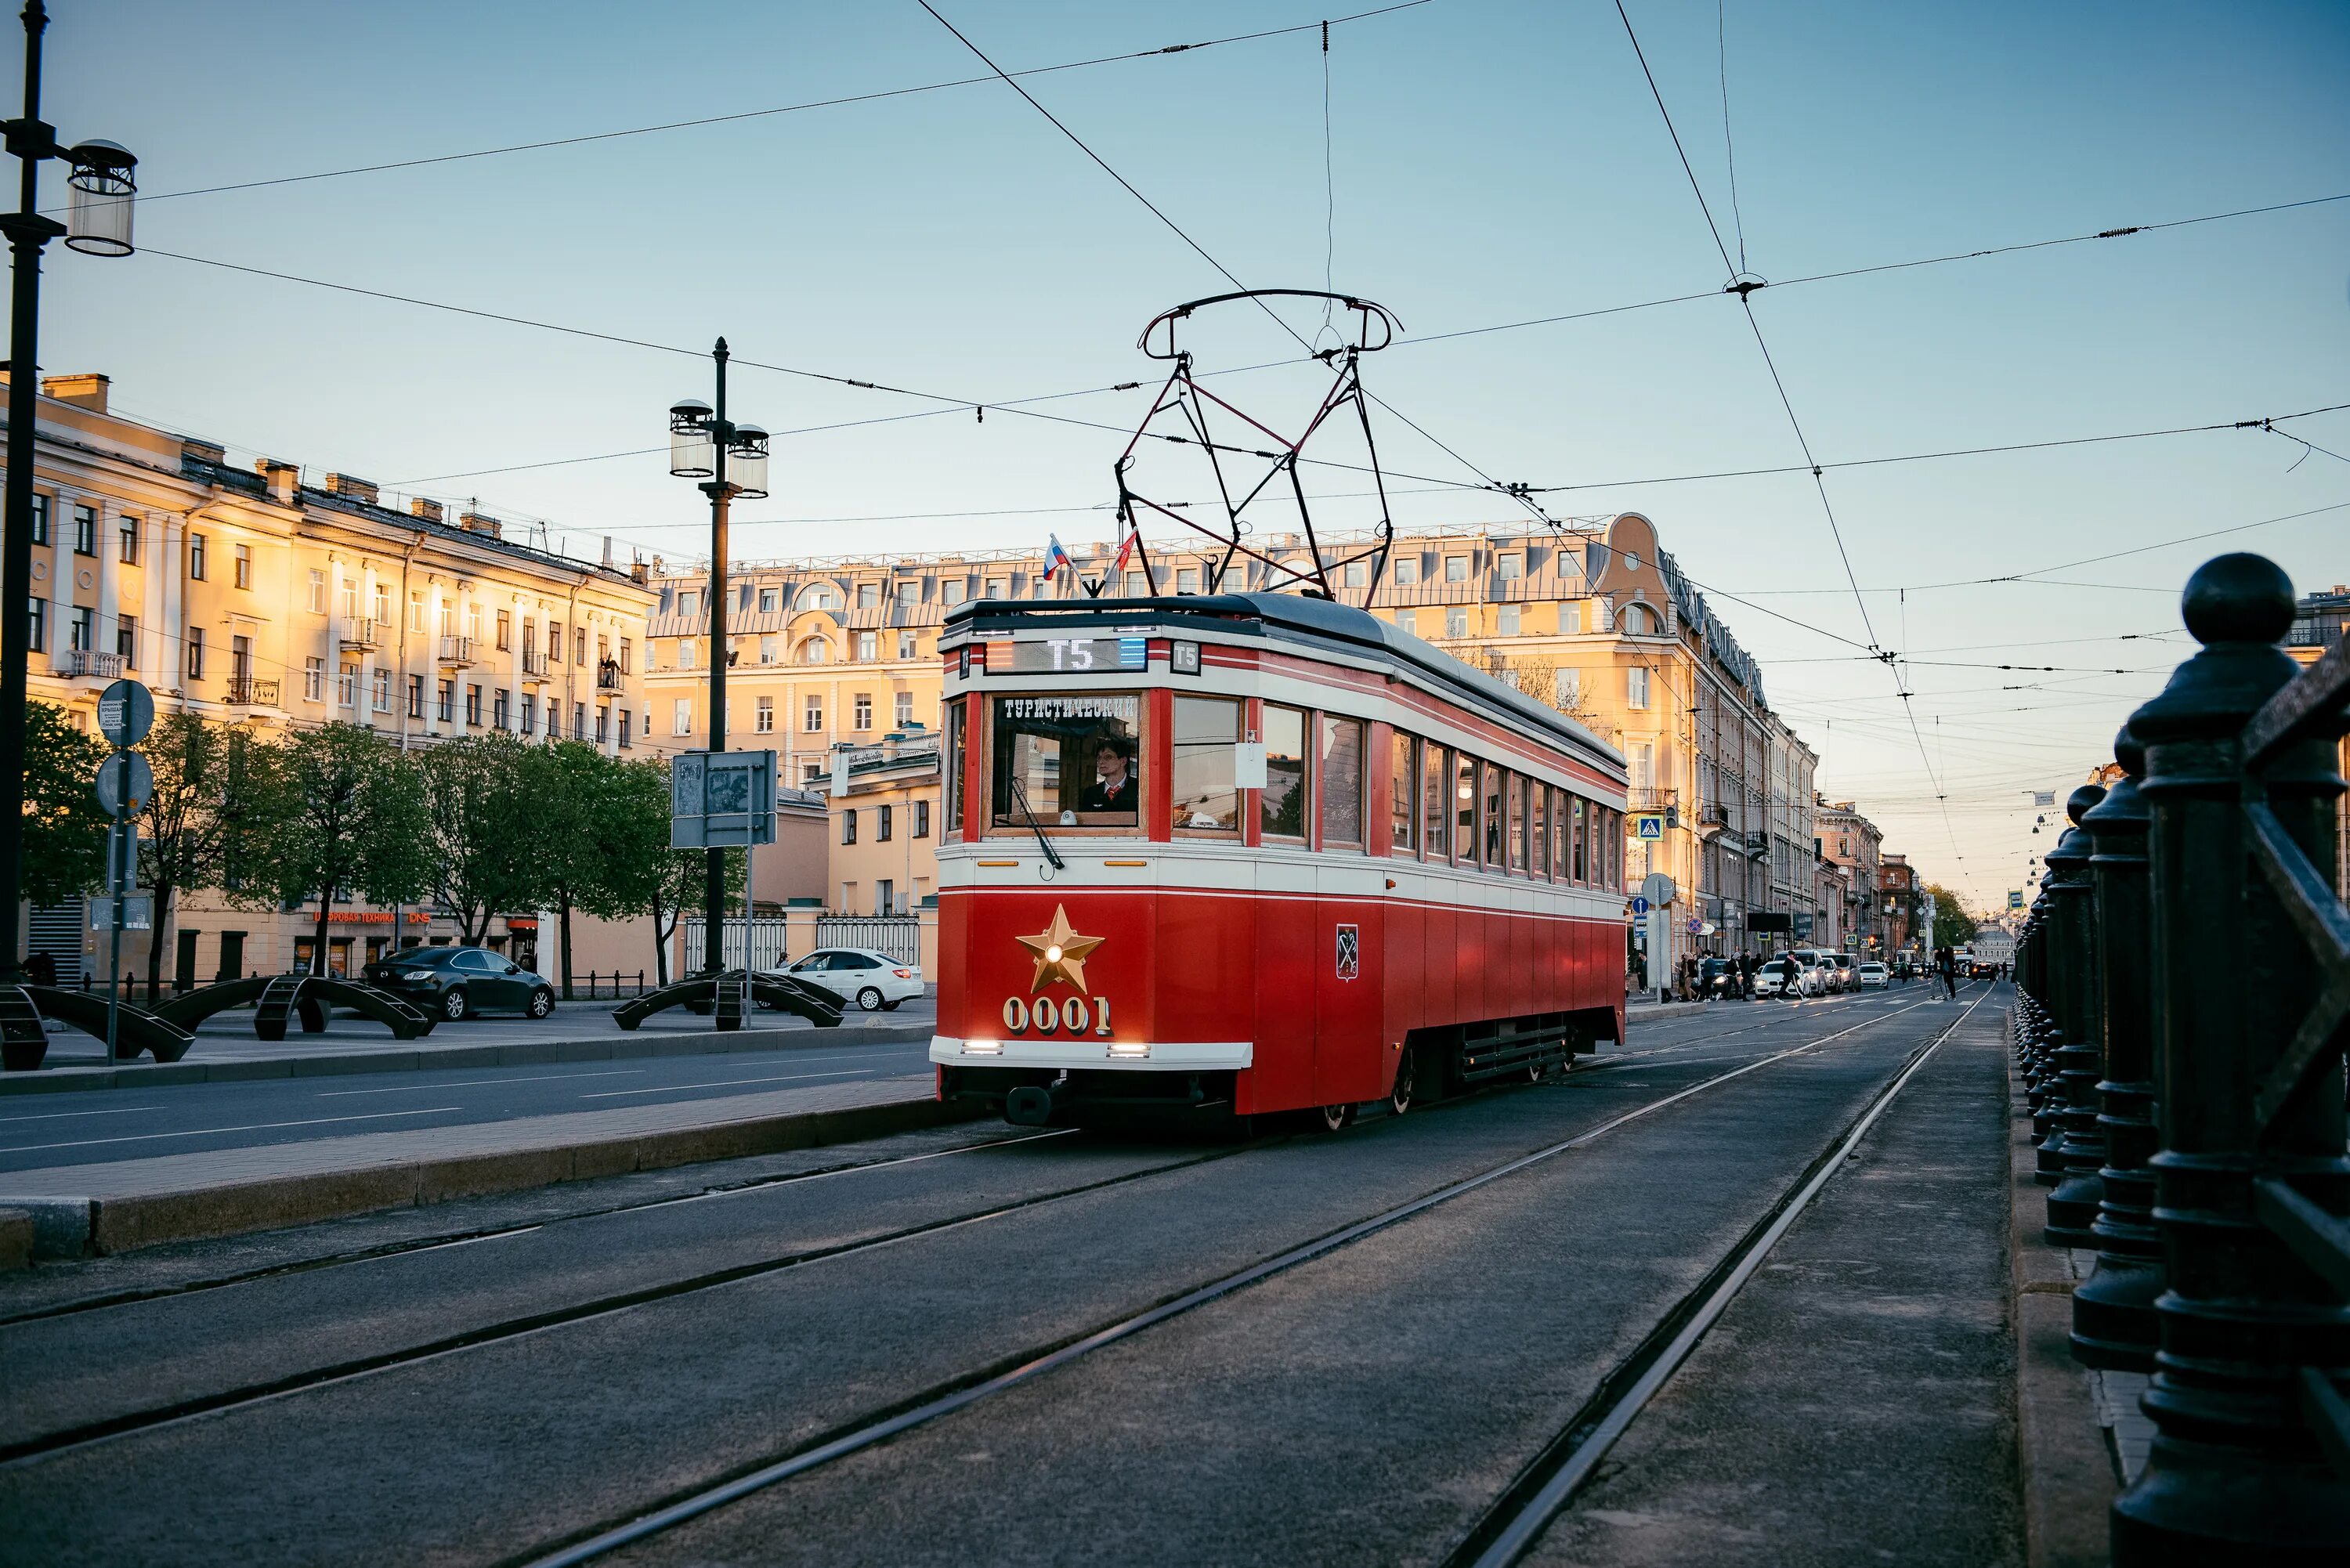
[[2186, 972], [899, 937], [768, 948]]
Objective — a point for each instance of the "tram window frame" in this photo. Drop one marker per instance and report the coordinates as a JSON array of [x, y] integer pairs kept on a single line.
[[1514, 787], [1303, 794], [1228, 744], [1582, 842], [1538, 819], [1435, 802], [957, 740], [1493, 817], [1007, 823], [1403, 794], [1464, 810], [1330, 779]]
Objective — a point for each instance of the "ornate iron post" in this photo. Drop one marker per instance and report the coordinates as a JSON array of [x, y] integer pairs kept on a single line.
[[2113, 1323], [2238, 1472], [2080, 1147]]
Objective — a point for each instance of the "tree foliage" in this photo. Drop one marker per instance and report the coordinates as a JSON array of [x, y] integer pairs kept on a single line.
[[337, 814], [201, 804], [485, 833], [64, 831], [1953, 926]]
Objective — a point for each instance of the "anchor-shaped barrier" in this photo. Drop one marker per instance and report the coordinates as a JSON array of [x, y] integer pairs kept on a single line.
[[731, 994], [24, 1042], [283, 997]]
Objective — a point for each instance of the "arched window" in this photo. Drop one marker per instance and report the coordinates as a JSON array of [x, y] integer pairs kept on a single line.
[[1635, 621], [816, 650], [818, 598]]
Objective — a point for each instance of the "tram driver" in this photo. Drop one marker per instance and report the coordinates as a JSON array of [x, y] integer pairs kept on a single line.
[[1113, 788]]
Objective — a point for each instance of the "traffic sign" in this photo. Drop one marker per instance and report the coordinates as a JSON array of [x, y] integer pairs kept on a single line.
[[124, 783], [138, 913], [1639, 906], [126, 711], [1649, 825], [1658, 888]]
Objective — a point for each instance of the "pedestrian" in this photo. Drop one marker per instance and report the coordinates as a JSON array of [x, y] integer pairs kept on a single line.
[[1948, 961], [1746, 975]]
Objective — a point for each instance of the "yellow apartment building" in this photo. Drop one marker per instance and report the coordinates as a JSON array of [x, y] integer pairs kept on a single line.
[[268, 597]]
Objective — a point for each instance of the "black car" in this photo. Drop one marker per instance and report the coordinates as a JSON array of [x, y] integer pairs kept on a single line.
[[1719, 977], [459, 982]]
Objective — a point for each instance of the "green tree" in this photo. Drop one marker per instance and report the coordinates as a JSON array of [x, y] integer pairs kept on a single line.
[[337, 813], [201, 800], [64, 832], [592, 846], [1953, 926], [483, 832], [677, 881]]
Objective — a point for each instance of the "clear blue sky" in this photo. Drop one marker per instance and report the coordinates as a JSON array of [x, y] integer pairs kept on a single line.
[[1492, 162]]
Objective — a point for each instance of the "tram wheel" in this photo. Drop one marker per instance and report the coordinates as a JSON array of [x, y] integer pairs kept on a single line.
[[1407, 1084], [1330, 1118]]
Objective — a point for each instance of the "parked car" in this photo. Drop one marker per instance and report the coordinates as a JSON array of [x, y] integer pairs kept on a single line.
[[460, 983], [1846, 979], [1875, 976], [875, 981]]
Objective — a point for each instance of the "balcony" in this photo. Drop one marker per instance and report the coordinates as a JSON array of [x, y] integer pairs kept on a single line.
[[1758, 844], [457, 652], [607, 676], [89, 662], [533, 666], [361, 635], [1714, 814], [245, 692], [1647, 798]]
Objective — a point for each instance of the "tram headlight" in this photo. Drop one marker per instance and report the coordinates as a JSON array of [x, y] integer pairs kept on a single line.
[[983, 1047], [1131, 1049]]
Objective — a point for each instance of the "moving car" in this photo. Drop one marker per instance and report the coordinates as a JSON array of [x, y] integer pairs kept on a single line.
[[1875, 975], [1718, 978], [874, 981], [1845, 979], [460, 982], [1779, 977]]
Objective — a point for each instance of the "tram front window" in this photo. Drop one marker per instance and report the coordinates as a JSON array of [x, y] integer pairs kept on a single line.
[[1066, 761]]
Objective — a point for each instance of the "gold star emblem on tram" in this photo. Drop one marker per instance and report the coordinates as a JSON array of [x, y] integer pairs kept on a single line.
[[1060, 952]]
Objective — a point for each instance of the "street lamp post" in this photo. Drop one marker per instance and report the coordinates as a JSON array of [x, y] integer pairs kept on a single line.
[[101, 191], [730, 459]]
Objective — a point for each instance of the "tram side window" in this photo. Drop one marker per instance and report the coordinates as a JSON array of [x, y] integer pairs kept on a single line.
[[1464, 811], [1207, 729], [1281, 807], [1435, 800], [1517, 791], [954, 760], [1066, 761], [1494, 818], [1542, 830], [1403, 805], [1582, 842], [1339, 767], [1611, 826]]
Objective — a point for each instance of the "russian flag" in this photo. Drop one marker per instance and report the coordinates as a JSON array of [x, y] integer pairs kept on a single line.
[[1126, 545], [1055, 558]]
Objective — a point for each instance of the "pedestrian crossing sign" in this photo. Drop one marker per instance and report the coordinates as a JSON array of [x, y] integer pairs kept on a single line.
[[1649, 825]]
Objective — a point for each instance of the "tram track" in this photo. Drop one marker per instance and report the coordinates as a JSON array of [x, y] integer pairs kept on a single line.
[[1008, 1373]]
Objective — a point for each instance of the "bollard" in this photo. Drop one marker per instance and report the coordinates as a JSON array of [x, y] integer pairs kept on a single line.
[[2080, 1145], [2047, 1121], [2113, 1323], [2251, 1173]]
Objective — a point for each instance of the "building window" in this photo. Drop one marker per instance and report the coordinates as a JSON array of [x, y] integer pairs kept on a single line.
[[885, 896], [195, 653], [922, 819], [628, 657], [580, 646], [381, 698], [864, 710], [318, 591], [530, 711], [85, 530], [905, 710], [1456, 622], [624, 729], [816, 650], [1507, 620], [244, 566], [686, 602], [767, 601], [812, 716], [910, 596], [196, 556], [125, 640], [505, 632], [1570, 621], [685, 653], [351, 598], [1358, 574], [1567, 689], [81, 629], [39, 637], [1510, 569], [1187, 580], [1456, 568], [763, 716], [40, 518], [869, 647], [314, 679], [1636, 688], [130, 540], [766, 650], [869, 596], [1635, 622], [1406, 572], [1408, 621], [848, 826], [1137, 583], [680, 717], [579, 720], [995, 588], [499, 713], [905, 645], [473, 705], [884, 822], [603, 725], [416, 696]]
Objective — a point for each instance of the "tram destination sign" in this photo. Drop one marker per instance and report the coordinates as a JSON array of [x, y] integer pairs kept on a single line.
[[1069, 656]]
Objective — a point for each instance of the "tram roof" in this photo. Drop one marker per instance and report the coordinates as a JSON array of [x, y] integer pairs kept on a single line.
[[1291, 618]]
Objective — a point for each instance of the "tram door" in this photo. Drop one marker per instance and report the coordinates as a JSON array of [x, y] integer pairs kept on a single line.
[[1348, 1011]]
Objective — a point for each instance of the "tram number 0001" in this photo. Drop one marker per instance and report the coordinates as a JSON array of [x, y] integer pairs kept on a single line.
[[1045, 1017]]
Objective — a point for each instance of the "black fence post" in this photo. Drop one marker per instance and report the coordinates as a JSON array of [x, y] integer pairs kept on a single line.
[[2080, 1143], [2238, 1472], [2114, 1325]]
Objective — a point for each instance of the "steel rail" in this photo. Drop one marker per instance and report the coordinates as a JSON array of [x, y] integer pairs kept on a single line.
[[876, 1431], [1543, 1490]]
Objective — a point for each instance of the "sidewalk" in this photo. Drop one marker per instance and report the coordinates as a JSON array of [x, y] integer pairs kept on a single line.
[[120, 1206]]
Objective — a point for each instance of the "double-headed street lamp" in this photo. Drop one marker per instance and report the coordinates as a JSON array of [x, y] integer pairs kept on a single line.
[[97, 222], [730, 459]]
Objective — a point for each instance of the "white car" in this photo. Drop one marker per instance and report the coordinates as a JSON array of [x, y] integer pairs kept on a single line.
[[874, 982], [1875, 975], [1770, 979]]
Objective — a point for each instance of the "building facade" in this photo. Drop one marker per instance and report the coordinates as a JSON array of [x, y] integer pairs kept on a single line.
[[256, 597], [1852, 846]]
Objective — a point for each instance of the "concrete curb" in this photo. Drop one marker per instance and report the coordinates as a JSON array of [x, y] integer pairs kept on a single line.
[[79, 1226], [616, 1048], [2069, 1480]]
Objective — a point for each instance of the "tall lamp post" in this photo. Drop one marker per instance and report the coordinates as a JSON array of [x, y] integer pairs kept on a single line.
[[730, 459], [97, 222]]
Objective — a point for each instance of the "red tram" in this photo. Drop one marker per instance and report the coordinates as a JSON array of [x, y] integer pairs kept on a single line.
[[1249, 854]]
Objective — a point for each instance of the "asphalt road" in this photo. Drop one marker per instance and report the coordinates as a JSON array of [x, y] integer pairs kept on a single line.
[[494, 1395], [40, 1131]]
